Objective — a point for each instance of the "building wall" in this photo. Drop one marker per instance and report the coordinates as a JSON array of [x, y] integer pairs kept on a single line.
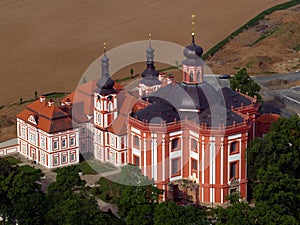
[[50, 150]]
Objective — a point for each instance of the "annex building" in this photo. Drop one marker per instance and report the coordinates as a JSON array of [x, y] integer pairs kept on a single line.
[[173, 132]]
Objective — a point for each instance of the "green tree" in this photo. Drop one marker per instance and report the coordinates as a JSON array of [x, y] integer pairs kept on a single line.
[[21, 196], [170, 213], [131, 72], [236, 213], [137, 192], [242, 81], [35, 94], [274, 168]]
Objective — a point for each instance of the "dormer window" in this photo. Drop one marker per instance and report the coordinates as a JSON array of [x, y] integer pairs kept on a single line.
[[32, 119], [109, 98]]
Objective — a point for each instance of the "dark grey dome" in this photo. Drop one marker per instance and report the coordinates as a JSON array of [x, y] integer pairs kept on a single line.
[[150, 71], [193, 54]]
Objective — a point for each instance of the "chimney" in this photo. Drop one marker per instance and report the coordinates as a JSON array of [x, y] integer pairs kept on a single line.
[[68, 101], [161, 76], [42, 98], [51, 102], [170, 78]]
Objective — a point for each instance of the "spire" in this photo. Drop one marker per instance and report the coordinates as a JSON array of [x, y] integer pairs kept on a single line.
[[150, 52], [193, 27], [105, 64], [105, 84], [150, 72]]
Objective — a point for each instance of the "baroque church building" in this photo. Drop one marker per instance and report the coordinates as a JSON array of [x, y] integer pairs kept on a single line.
[[173, 132]]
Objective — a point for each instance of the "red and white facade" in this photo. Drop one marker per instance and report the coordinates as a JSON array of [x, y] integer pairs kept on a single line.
[[46, 135]]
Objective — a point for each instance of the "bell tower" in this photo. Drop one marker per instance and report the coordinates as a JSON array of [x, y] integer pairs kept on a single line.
[[192, 66], [105, 97]]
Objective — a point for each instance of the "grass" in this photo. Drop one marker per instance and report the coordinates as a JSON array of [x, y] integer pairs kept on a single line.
[[92, 166], [56, 94], [37, 173], [12, 160], [85, 168]]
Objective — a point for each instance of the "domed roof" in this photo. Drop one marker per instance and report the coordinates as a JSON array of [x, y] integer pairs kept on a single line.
[[193, 54], [105, 84], [150, 71], [186, 97]]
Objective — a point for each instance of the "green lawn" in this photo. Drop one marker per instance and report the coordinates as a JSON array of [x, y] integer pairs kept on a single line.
[[12, 160], [92, 166]]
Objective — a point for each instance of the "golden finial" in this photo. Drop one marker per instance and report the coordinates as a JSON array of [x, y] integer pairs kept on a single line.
[[193, 24], [104, 47], [149, 35]]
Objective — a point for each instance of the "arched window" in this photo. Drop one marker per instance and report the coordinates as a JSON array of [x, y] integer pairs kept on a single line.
[[191, 76], [110, 107], [198, 76]]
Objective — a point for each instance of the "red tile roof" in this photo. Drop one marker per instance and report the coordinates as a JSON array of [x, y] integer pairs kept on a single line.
[[50, 119]]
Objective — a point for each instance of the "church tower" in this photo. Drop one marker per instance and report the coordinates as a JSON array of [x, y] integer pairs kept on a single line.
[[150, 81], [105, 97], [192, 66]]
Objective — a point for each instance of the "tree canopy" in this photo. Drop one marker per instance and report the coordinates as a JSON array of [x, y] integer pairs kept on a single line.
[[242, 81], [274, 168]]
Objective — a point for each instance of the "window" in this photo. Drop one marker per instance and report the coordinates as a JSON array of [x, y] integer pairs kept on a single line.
[[136, 160], [175, 144], [55, 145], [194, 163], [234, 147], [198, 76], [72, 141], [43, 143], [64, 159], [24, 149], [136, 141], [233, 170], [23, 132], [64, 143], [194, 145], [175, 167], [83, 130], [83, 146], [55, 161], [110, 108], [72, 157], [32, 138], [43, 158], [191, 76], [122, 158]]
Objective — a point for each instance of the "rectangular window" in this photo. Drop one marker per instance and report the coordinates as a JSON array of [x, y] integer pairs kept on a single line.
[[43, 158], [55, 145], [83, 146], [43, 143], [72, 141], [83, 130], [55, 161], [194, 145], [72, 157], [194, 163], [175, 144], [233, 170], [23, 132], [63, 143], [136, 141], [64, 159], [175, 167], [136, 160], [234, 147]]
